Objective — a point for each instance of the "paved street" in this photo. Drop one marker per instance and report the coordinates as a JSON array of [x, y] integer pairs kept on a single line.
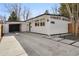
[[38, 45]]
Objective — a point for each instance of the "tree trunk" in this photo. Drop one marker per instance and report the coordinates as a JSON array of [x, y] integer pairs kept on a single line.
[[77, 20], [73, 27], [76, 29]]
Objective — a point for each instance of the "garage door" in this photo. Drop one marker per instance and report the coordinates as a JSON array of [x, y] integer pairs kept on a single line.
[[14, 27]]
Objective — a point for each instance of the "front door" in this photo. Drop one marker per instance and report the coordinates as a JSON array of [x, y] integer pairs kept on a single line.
[[29, 26]]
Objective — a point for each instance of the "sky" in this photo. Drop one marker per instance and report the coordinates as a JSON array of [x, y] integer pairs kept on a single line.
[[35, 8]]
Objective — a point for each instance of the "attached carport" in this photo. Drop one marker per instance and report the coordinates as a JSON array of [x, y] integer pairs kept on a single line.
[[19, 26], [14, 27]]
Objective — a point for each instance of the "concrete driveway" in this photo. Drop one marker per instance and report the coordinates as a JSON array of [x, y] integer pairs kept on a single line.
[[9, 46], [37, 45]]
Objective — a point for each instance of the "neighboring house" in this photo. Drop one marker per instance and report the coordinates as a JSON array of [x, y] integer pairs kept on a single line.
[[45, 24]]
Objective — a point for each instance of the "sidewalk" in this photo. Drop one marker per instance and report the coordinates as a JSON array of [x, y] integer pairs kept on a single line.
[[9, 46]]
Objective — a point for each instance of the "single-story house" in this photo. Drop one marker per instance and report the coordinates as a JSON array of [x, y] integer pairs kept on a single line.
[[45, 24]]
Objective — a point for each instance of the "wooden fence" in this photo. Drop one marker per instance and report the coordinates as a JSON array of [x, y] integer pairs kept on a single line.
[[1, 31]]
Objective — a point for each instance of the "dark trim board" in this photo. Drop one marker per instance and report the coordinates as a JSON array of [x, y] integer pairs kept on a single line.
[[42, 15]]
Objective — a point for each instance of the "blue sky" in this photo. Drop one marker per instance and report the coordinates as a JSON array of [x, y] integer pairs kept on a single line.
[[35, 8]]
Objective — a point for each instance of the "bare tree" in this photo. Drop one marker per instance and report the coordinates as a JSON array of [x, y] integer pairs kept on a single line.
[[4, 19], [25, 13], [14, 7], [19, 10], [28, 14], [55, 10]]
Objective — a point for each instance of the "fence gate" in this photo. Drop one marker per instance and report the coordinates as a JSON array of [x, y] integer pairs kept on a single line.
[[70, 28]]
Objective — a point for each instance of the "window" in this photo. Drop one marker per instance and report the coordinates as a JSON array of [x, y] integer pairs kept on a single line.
[[52, 22], [56, 17], [38, 24], [64, 19], [35, 24], [42, 23], [59, 18]]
